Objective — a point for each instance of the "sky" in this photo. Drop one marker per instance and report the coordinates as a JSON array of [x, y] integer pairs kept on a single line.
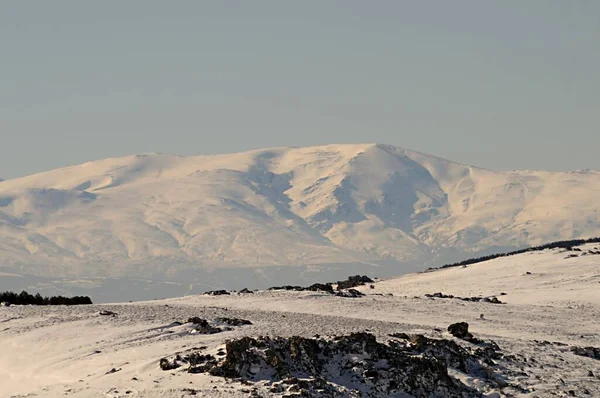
[[504, 84]]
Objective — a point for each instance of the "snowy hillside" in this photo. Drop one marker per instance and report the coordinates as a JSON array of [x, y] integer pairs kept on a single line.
[[543, 339], [167, 217]]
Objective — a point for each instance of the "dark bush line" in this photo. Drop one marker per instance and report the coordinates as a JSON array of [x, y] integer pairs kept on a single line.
[[564, 244], [25, 298]]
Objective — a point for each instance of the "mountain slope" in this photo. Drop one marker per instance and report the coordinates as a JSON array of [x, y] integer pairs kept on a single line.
[[162, 216], [549, 316]]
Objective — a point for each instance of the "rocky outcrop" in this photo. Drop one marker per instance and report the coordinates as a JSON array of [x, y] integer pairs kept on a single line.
[[234, 321], [317, 287], [202, 326], [351, 293], [590, 352], [342, 366], [217, 293], [354, 281]]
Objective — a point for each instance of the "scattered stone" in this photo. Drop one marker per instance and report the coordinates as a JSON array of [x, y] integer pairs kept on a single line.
[[113, 370], [107, 313], [492, 299]]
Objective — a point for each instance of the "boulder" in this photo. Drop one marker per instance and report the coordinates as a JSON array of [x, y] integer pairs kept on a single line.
[[460, 330]]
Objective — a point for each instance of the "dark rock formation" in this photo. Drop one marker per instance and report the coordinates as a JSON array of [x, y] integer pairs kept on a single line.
[[460, 330], [590, 352], [202, 326], [321, 287], [354, 281], [217, 292], [234, 321], [352, 293], [343, 366], [246, 291]]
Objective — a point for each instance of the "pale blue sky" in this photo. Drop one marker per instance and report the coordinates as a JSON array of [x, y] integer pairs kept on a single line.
[[499, 84]]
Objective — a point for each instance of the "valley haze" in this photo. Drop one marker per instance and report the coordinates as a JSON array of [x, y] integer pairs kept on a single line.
[[154, 225]]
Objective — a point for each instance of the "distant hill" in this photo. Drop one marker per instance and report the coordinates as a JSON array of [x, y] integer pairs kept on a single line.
[[166, 217]]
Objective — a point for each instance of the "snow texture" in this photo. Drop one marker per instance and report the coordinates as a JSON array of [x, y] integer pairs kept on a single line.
[[546, 332]]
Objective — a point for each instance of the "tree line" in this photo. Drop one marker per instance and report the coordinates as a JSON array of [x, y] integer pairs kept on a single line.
[[25, 298], [564, 244]]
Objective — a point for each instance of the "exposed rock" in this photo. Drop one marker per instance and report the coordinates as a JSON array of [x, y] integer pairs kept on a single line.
[[354, 281], [107, 313], [197, 321], [402, 336], [323, 287], [165, 364], [234, 321], [351, 293], [217, 292], [246, 291], [492, 299], [590, 352], [202, 326], [195, 361], [460, 330], [113, 370], [288, 287], [345, 366]]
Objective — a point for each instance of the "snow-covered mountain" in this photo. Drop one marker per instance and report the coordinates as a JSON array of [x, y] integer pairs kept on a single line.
[[167, 217]]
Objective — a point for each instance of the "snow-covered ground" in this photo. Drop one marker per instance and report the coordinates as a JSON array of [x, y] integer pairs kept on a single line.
[[180, 219], [552, 303]]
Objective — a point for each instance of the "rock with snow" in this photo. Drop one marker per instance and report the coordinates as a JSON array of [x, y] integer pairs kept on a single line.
[[353, 364]]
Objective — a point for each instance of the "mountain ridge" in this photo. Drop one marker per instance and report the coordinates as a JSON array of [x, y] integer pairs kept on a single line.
[[370, 204]]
